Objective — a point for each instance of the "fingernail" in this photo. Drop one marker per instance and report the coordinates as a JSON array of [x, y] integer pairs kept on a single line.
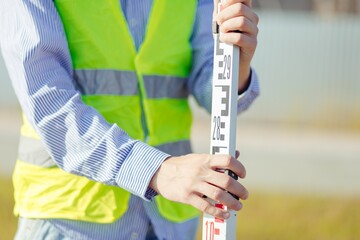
[[226, 215], [240, 206], [246, 195]]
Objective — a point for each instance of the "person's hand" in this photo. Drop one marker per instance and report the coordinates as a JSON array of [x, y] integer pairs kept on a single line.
[[188, 178], [239, 26]]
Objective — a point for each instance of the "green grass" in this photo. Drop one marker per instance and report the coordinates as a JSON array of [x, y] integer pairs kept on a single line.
[[265, 216], [279, 216], [286, 216], [8, 222]]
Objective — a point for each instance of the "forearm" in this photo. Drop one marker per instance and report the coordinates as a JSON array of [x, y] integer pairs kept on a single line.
[[200, 80], [238, 26], [76, 136], [244, 77]]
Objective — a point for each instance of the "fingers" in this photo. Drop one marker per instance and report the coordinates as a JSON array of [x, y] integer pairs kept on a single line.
[[239, 39], [228, 162], [227, 3], [241, 24], [220, 196], [225, 182], [186, 178], [238, 17], [237, 10], [206, 207]]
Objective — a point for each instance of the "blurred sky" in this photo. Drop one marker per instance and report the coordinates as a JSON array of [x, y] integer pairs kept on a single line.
[[303, 133]]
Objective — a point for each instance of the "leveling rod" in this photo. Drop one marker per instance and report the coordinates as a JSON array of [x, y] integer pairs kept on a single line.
[[223, 126]]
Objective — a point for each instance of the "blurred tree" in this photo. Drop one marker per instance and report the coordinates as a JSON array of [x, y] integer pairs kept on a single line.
[[350, 6], [322, 6]]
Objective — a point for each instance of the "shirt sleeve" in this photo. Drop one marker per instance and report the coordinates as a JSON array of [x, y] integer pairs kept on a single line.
[[76, 136], [200, 79]]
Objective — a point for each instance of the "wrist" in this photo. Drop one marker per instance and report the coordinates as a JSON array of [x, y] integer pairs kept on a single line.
[[154, 182], [244, 78]]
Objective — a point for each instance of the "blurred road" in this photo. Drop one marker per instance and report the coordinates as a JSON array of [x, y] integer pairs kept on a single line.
[[277, 157], [10, 121], [292, 158]]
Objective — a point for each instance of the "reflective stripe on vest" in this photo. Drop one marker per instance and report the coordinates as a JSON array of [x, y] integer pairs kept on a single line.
[[106, 82], [33, 152], [122, 85], [115, 82]]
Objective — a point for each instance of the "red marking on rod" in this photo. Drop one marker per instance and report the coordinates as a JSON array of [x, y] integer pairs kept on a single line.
[[219, 205], [217, 231], [219, 220], [221, 7]]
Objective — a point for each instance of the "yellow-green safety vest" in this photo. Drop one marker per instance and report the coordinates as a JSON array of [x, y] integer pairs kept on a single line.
[[144, 92]]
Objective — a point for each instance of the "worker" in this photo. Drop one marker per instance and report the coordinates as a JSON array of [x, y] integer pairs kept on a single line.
[[104, 151]]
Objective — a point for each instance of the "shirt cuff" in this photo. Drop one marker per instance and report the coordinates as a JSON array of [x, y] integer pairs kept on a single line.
[[138, 169], [247, 98]]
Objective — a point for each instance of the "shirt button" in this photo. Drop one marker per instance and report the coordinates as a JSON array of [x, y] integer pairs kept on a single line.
[[134, 235], [132, 22]]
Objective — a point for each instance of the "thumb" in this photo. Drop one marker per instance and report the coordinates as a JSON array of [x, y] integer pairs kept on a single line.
[[237, 154], [215, 12]]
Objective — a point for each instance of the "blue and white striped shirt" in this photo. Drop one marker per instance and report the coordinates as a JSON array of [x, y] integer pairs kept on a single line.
[[36, 53]]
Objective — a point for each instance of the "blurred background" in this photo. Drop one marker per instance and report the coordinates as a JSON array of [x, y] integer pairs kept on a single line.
[[300, 141]]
